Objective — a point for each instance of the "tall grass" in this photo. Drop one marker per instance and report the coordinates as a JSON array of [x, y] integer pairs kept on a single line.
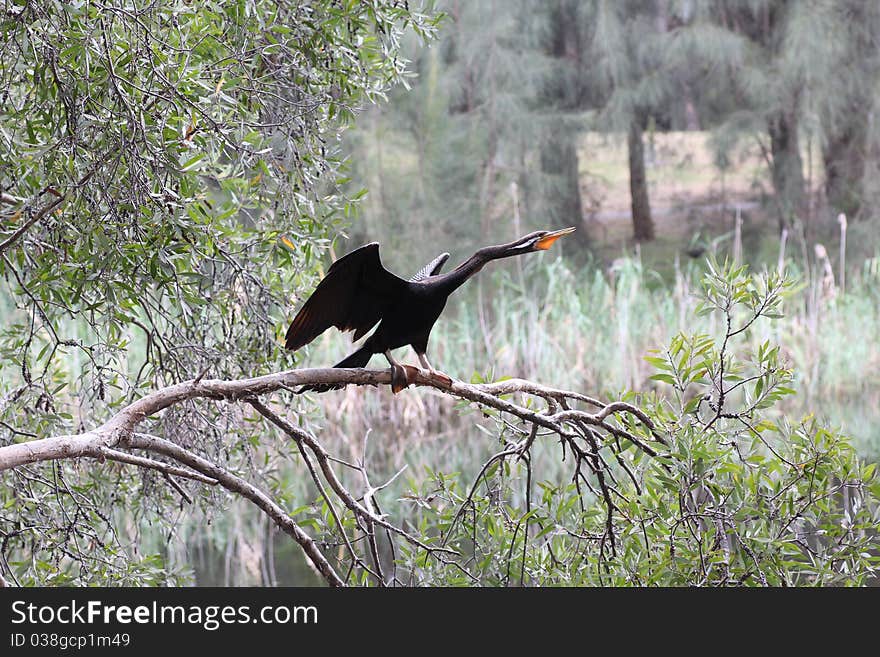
[[590, 330]]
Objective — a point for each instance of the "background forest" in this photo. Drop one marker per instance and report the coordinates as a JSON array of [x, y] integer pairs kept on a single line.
[[746, 128], [176, 181]]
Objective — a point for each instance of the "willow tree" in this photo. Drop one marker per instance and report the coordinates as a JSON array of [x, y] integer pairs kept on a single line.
[[155, 159]]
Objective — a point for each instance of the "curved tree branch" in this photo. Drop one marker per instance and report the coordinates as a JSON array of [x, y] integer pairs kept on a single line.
[[88, 444], [119, 433]]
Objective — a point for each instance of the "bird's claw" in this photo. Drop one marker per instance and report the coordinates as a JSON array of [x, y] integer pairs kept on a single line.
[[402, 376], [399, 378], [445, 379]]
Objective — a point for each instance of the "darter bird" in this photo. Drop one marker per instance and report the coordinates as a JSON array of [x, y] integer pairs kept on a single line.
[[358, 292]]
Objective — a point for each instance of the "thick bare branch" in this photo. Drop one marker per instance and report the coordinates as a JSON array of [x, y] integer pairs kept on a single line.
[[120, 432], [125, 421], [89, 444]]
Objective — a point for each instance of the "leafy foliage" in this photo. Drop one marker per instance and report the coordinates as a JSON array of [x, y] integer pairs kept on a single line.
[[155, 159], [742, 496]]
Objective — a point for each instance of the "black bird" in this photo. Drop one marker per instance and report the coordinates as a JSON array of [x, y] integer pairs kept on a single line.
[[358, 292]]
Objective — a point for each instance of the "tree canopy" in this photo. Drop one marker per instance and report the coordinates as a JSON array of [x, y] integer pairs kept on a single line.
[[173, 145]]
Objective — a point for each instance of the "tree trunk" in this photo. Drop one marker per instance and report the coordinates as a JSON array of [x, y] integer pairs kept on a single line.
[[787, 167], [487, 185], [562, 194], [843, 155], [643, 224], [844, 160], [558, 194], [845, 151], [691, 116]]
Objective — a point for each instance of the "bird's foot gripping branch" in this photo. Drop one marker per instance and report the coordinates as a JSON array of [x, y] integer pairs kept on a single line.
[[414, 375]]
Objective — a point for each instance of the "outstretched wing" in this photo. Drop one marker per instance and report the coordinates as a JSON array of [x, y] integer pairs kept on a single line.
[[431, 269], [352, 297]]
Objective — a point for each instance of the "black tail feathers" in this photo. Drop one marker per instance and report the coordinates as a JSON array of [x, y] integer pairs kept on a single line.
[[359, 358]]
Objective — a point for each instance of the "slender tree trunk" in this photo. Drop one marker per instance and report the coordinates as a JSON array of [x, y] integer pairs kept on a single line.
[[559, 161], [643, 224], [843, 155], [847, 133], [559, 194], [692, 117], [787, 166], [487, 186]]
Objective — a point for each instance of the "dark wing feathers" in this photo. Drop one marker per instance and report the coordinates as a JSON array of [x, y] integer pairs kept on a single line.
[[431, 269], [352, 296]]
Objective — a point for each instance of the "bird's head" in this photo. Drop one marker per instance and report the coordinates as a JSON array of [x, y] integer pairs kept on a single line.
[[538, 241]]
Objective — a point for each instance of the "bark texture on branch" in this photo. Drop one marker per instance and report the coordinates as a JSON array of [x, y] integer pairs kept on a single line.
[[120, 433], [123, 424]]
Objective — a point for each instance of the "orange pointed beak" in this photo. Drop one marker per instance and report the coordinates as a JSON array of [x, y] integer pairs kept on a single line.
[[547, 241]]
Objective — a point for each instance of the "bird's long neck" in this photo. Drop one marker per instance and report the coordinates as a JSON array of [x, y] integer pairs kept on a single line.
[[451, 281]]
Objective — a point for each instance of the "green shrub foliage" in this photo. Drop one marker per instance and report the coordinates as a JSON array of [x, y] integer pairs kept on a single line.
[[742, 494]]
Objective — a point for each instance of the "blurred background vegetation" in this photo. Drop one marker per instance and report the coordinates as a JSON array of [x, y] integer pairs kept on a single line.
[[665, 131], [756, 128], [751, 126]]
